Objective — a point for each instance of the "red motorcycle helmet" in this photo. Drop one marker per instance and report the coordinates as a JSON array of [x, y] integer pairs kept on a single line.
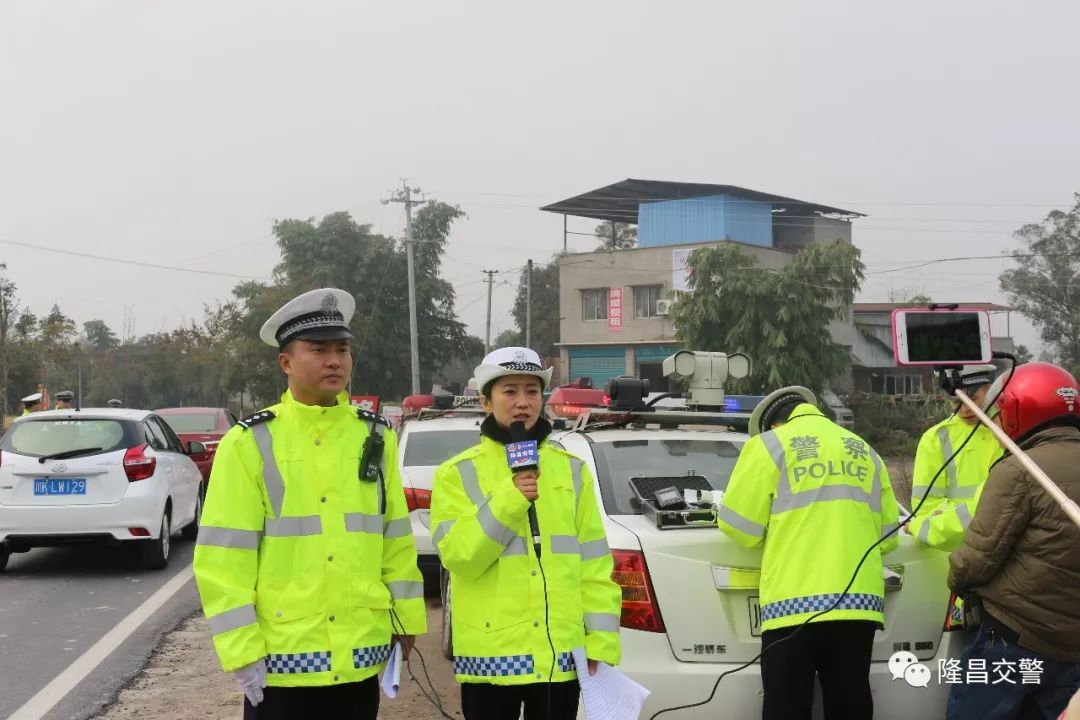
[[1037, 393]]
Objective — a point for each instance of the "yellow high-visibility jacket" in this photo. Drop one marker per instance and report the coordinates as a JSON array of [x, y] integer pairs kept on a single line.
[[943, 518], [500, 619], [297, 560], [817, 496]]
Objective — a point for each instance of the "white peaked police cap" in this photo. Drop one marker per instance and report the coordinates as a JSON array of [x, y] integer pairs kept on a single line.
[[510, 361]]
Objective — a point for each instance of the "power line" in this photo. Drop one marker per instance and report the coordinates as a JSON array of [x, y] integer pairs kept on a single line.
[[125, 261]]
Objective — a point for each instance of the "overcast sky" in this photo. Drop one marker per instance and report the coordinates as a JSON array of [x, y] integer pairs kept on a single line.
[[176, 132]]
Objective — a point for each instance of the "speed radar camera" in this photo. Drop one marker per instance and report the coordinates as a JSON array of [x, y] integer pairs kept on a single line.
[[704, 374]]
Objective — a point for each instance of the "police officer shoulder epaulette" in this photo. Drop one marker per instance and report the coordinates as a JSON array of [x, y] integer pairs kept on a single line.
[[368, 416], [256, 419]]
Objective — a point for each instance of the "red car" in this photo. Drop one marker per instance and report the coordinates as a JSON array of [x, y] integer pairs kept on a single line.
[[204, 424]]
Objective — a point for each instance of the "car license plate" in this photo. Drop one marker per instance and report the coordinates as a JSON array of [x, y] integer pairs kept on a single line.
[[60, 486], [755, 617]]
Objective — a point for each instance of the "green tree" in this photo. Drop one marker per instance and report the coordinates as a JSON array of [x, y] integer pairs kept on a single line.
[[1045, 286], [616, 236], [545, 308], [1023, 355], [780, 318], [99, 335], [9, 313]]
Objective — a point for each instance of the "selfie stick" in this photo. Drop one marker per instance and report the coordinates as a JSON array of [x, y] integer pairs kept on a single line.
[[1070, 508]]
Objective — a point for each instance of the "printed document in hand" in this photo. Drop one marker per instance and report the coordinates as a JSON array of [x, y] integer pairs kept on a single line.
[[391, 679], [608, 695]]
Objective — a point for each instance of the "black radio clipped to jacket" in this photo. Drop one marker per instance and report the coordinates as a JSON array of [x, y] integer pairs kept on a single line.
[[371, 459], [372, 456]]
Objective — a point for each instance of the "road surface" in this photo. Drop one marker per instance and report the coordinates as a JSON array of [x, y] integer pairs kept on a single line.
[[56, 603]]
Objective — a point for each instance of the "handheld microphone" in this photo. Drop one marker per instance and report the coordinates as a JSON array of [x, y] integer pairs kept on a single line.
[[524, 454]]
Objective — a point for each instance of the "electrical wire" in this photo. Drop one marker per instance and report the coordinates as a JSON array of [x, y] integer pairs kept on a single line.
[[126, 261], [858, 567], [433, 698]]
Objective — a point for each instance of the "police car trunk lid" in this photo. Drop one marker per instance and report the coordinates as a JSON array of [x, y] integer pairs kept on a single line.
[[707, 591]]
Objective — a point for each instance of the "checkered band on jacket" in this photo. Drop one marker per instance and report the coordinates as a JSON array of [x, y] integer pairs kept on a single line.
[[499, 666], [565, 662], [290, 663], [370, 656], [817, 603]]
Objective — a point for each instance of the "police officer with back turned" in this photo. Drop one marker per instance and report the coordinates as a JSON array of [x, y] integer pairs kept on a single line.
[[305, 561], [817, 496]]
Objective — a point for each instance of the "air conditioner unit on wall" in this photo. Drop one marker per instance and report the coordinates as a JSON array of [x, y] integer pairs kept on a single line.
[[663, 307]]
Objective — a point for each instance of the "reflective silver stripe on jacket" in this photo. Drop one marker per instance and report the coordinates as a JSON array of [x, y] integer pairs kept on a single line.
[[440, 532], [964, 515], [399, 528], [606, 622], [564, 545], [405, 589], [924, 532], [516, 546], [210, 536], [786, 499], [740, 523], [490, 524], [946, 454], [594, 549], [232, 619], [576, 470], [275, 484], [294, 526], [363, 522]]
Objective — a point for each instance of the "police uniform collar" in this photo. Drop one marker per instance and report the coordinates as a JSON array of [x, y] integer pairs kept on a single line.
[[493, 431]]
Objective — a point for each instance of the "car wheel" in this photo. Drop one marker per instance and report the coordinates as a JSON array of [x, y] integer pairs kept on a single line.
[[447, 628], [5, 553], [154, 554], [191, 532]]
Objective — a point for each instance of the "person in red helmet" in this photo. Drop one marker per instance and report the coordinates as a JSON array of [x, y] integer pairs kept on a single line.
[[1021, 558]]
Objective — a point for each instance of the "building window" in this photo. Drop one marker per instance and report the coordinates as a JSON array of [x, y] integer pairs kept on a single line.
[[897, 384], [594, 304], [645, 297]]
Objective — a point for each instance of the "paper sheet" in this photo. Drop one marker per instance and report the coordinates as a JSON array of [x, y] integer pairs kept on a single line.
[[391, 679], [608, 695]]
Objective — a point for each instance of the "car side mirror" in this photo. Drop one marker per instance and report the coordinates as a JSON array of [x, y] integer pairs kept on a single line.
[[196, 448]]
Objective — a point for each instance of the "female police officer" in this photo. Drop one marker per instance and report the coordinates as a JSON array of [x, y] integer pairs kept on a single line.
[[520, 610]]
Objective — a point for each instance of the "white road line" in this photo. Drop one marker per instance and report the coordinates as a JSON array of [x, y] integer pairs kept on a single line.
[[47, 698]]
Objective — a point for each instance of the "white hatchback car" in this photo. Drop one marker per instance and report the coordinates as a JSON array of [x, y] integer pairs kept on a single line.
[[427, 441], [97, 475], [690, 600]]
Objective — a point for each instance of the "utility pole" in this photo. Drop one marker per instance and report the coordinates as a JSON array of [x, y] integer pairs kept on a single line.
[[528, 304], [487, 332], [404, 196]]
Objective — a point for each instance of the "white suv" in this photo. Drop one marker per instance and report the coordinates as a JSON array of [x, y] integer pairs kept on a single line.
[[427, 441], [96, 475]]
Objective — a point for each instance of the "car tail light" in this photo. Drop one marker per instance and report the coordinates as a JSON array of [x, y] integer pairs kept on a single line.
[[951, 624], [418, 499], [139, 532], [137, 465], [639, 608]]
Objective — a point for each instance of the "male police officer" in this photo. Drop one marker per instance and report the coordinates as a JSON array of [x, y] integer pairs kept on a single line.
[[31, 403], [824, 497], [943, 518], [64, 398], [306, 561]]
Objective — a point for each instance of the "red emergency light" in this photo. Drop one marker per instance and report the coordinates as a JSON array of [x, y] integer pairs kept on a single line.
[[569, 402]]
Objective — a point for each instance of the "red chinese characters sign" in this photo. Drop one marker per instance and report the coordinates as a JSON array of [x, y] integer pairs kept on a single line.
[[615, 309]]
